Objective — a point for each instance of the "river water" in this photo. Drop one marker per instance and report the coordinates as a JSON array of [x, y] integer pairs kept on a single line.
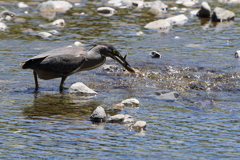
[[202, 123]]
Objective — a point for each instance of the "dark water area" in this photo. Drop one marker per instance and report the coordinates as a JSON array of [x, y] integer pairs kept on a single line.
[[197, 62]]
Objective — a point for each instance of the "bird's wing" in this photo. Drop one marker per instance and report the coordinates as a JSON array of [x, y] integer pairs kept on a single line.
[[65, 63], [60, 52]]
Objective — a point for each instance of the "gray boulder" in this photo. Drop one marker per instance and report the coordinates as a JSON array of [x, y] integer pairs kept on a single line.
[[98, 115], [220, 14]]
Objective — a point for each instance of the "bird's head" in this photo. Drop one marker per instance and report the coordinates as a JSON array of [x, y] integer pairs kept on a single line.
[[109, 51]]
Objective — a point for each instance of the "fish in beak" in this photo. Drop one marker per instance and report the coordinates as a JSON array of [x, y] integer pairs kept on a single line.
[[122, 60]]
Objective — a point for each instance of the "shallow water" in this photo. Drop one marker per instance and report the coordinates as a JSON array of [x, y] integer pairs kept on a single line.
[[203, 123]]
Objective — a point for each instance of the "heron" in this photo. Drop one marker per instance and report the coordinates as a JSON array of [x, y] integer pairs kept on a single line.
[[63, 62]]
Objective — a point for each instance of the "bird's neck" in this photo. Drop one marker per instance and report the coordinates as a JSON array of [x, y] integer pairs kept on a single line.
[[93, 60]]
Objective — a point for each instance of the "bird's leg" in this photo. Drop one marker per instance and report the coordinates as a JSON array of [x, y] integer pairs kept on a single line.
[[61, 84], [36, 80]]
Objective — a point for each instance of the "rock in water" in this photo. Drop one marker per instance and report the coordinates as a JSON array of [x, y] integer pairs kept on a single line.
[[3, 26], [220, 14], [131, 102], [81, 89], [155, 54], [204, 11], [161, 25], [140, 126], [98, 115], [177, 20], [237, 54], [158, 7]]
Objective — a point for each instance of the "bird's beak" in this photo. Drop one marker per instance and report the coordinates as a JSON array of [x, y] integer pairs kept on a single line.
[[122, 60]]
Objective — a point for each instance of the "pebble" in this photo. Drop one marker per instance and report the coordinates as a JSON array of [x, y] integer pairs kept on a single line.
[[81, 89], [155, 54], [98, 115], [220, 14], [139, 33], [57, 23], [237, 54], [22, 5], [106, 10], [171, 96], [131, 102]]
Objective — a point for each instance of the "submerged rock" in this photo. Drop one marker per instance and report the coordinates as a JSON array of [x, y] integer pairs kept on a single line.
[[98, 115], [155, 54], [54, 6], [131, 102], [237, 54], [205, 10], [161, 25], [81, 89], [220, 14]]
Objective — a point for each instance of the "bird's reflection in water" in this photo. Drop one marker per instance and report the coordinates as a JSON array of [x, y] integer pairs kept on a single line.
[[54, 105]]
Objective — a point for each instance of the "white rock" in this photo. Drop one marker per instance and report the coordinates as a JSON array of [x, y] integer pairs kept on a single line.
[[3, 26], [131, 102], [22, 5], [177, 20], [161, 25], [81, 89], [44, 34], [55, 6]]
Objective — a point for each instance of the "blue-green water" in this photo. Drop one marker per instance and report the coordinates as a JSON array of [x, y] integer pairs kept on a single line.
[[53, 125]]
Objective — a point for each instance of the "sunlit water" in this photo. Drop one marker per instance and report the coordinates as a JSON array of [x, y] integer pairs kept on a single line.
[[200, 65]]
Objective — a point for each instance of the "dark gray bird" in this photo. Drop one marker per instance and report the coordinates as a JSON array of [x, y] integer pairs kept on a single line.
[[63, 62]]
